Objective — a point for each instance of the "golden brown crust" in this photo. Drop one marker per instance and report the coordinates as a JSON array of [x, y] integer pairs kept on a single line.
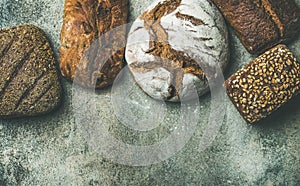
[[82, 52]]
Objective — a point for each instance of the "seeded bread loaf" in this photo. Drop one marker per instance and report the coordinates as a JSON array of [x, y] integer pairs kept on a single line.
[[86, 52], [265, 84], [261, 24], [171, 43], [29, 83]]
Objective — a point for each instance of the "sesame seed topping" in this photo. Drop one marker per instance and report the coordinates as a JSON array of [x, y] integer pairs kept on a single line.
[[265, 83]]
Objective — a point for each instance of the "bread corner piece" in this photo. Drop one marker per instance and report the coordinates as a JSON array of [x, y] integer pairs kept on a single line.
[[265, 84]]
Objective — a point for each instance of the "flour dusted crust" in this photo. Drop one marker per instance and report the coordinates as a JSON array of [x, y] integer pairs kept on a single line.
[[167, 43]]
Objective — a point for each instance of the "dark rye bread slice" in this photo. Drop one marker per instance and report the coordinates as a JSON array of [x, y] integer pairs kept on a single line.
[[265, 84], [88, 56], [29, 83], [261, 24]]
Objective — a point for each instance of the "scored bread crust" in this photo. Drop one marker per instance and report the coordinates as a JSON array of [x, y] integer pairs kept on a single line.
[[261, 24], [93, 38], [175, 46], [29, 82]]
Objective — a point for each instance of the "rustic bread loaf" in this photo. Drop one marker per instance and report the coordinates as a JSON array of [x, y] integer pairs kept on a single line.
[[265, 84], [170, 43], [29, 83], [261, 24], [95, 59]]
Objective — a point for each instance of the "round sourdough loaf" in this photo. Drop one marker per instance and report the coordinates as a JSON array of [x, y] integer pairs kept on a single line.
[[175, 46]]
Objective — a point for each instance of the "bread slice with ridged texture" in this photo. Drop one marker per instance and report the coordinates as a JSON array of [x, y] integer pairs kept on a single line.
[[29, 82]]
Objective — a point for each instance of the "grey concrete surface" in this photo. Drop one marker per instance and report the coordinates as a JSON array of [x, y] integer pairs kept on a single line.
[[51, 150]]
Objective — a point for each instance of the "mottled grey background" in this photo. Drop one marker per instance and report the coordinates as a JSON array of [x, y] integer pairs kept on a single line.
[[50, 150]]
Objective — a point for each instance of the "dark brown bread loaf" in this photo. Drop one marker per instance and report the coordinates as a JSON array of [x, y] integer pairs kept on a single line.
[[81, 53], [29, 83], [261, 24], [265, 84]]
